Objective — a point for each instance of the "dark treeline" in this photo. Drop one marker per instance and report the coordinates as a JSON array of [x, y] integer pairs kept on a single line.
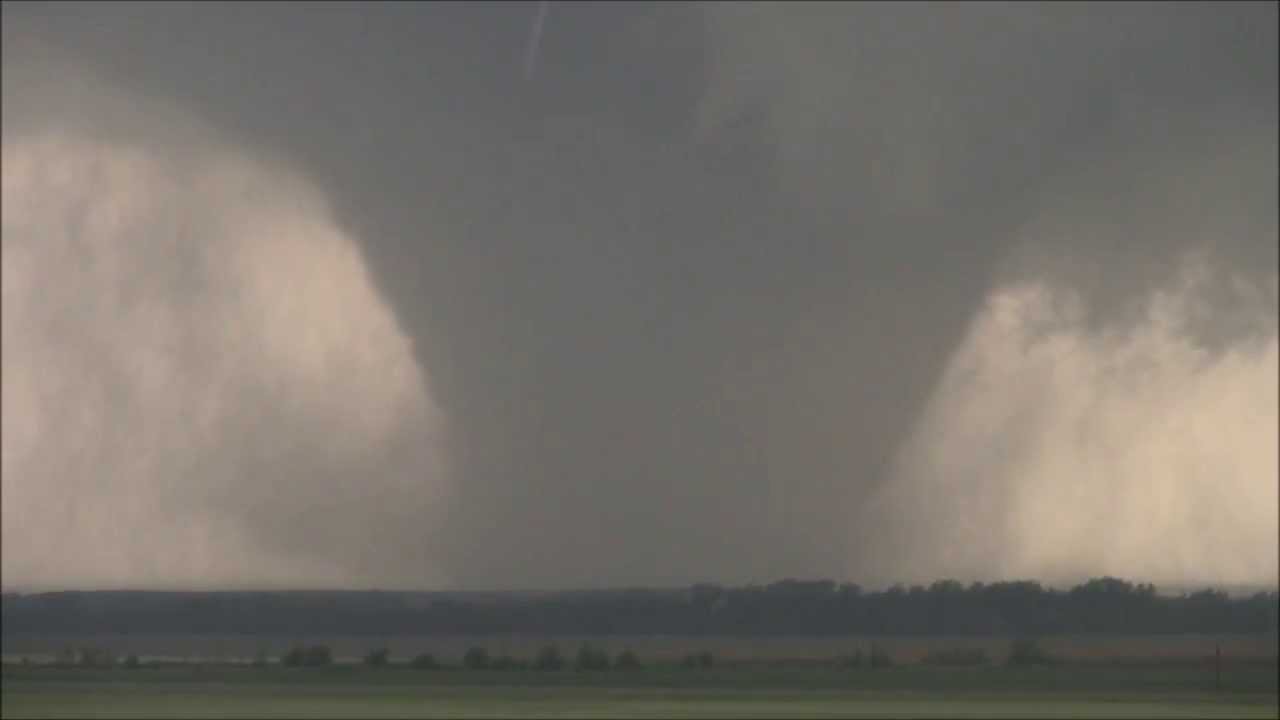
[[1105, 605]]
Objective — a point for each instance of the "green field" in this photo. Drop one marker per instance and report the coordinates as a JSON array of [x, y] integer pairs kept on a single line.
[[907, 691]]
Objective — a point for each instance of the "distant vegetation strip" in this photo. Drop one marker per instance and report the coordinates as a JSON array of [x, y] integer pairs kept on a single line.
[[1102, 606]]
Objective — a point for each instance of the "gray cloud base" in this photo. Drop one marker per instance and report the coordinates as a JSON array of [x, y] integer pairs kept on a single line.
[[686, 294]]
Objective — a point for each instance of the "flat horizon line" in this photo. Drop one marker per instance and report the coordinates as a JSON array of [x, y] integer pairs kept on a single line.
[[1161, 589]]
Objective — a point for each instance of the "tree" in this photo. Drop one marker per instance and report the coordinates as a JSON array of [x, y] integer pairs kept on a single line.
[[293, 658], [312, 656], [1027, 651], [506, 662], [94, 657], [703, 659], [627, 660], [377, 658], [424, 661], [549, 658], [319, 655], [956, 656], [879, 658], [477, 658], [854, 660], [590, 658]]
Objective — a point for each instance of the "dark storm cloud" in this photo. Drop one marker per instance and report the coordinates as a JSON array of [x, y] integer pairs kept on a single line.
[[684, 292]]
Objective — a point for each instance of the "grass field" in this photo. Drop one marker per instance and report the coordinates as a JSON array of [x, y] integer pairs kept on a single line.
[[907, 691]]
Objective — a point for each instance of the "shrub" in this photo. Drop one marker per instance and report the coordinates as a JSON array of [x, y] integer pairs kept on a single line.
[[378, 657], [1027, 651], [313, 656], [703, 659], [627, 660], [65, 656], [852, 661], [506, 662], [477, 658], [131, 662], [94, 657], [424, 661], [549, 658], [318, 655], [293, 658], [957, 656], [879, 658], [590, 658]]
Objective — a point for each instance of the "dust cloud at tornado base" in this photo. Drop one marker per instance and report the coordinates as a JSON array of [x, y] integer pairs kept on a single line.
[[1109, 404], [1063, 443], [202, 386]]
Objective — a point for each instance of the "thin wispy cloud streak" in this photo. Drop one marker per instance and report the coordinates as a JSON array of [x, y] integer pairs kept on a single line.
[[535, 39]]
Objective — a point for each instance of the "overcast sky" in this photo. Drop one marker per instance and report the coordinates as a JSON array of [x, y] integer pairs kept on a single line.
[[341, 295]]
